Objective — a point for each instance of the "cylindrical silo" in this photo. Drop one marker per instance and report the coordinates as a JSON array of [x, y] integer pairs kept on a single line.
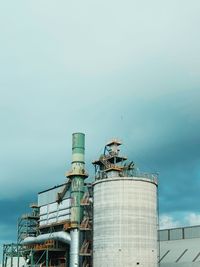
[[124, 218], [124, 212]]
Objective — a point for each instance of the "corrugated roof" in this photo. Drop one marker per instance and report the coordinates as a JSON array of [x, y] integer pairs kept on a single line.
[[178, 252], [183, 252]]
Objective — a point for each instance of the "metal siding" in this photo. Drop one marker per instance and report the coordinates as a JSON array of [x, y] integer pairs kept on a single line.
[[176, 234], [179, 233], [192, 232], [50, 196], [66, 203], [43, 210], [63, 212], [52, 215], [50, 210], [163, 235], [51, 221], [54, 212], [176, 249], [53, 207], [125, 223], [191, 264]]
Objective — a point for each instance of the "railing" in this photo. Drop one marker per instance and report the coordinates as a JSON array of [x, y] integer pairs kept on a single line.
[[151, 176], [129, 173]]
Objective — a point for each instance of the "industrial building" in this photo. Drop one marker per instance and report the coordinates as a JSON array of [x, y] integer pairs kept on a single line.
[[111, 222], [180, 247]]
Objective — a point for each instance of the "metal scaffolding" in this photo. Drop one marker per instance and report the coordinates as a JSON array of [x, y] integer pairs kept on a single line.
[[36, 241], [86, 230], [11, 251], [28, 224]]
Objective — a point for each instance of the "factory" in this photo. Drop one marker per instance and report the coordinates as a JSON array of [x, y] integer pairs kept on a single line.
[[109, 222]]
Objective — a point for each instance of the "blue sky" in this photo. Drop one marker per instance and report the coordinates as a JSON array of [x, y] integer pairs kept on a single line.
[[126, 69]]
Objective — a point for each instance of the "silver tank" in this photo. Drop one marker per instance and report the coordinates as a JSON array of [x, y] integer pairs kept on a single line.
[[125, 222]]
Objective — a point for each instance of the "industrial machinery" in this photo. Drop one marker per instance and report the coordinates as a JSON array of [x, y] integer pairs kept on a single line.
[[111, 222], [64, 219]]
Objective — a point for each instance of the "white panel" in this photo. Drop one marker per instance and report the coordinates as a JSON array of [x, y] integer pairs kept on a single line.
[[192, 232], [53, 207], [64, 204], [50, 221], [63, 218], [125, 223], [43, 217], [52, 211], [42, 223], [63, 212], [52, 215], [43, 210]]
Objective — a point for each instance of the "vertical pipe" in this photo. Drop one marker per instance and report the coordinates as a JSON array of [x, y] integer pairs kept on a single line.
[[32, 258], [3, 260], [74, 248], [47, 258], [77, 176], [18, 255], [11, 260]]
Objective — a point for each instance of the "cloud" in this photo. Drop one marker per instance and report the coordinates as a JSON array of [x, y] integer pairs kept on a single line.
[[178, 219], [193, 219], [119, 69], [167, 222]]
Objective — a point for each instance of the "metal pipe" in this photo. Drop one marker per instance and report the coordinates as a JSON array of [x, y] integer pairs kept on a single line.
[[74, 248], [60, 236], [77, 176]]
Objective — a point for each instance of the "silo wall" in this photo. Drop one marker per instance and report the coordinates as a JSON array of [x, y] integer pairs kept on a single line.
[[125, 222]]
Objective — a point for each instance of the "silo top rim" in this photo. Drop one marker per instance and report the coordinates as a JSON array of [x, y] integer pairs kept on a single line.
[[133, 179], [78, 133]]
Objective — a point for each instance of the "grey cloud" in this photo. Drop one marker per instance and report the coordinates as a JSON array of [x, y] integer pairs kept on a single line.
[[119, 69]]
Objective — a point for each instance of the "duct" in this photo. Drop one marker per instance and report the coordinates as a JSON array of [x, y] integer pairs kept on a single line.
[[60, 236], [72, 239], [74, 248]]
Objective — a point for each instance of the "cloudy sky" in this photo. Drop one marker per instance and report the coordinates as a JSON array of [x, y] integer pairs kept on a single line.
[[127, 69]]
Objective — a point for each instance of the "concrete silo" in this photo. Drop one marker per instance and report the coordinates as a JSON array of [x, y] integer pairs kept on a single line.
[[124, 213]]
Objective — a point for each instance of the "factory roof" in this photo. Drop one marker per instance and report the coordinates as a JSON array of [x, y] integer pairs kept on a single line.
[[180, 247], [54, 187], [178, 233], [49, 189], [180, 253]]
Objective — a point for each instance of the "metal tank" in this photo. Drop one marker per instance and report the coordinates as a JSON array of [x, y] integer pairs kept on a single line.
[[125, 213]]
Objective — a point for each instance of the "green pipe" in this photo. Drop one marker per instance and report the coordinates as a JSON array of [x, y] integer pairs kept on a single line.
[[78, 148], [77, 176]]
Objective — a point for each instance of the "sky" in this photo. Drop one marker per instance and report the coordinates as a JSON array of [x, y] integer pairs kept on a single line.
[[126, 69]]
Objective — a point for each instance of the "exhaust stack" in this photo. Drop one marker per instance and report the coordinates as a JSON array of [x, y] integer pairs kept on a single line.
[[77, 176]]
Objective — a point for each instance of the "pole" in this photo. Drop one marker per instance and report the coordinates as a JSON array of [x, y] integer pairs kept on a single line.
[[32, 258], [47, 258], [11, 259], [3, 259]]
